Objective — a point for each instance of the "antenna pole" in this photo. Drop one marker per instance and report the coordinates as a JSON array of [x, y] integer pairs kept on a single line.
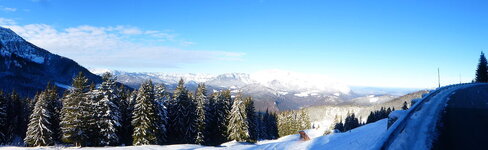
[[439, 76], [460, 79]]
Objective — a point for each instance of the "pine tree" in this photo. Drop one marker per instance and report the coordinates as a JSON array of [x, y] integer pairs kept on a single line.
[[211, 120], [40, 130], [108, 112], [162, 97], [261, 129], [145, 116], [238, 128], [183, 123], [272, 125], [17, 118], [405, 107], [54, 106], [3, 118], [223, 108], [339, 126], [482, 71], [251, 119], [125, 133], [91, 110], [201, 99], [304, 120], [73, 120], [268, 126], [130, 115]]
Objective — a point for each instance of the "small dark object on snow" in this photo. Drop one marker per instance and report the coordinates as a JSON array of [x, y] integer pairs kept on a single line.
[[303, 136]]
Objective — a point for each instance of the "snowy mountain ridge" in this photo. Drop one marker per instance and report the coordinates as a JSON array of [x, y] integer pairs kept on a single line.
[[9, 45], [270, 89], [278, 80], [27, 69]]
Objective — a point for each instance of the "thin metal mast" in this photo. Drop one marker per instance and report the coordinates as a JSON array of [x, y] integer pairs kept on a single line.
[[439, 76]]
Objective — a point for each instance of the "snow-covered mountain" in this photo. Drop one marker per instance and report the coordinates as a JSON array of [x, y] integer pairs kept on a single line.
[[271, 89], [27, 68], [277, 80]]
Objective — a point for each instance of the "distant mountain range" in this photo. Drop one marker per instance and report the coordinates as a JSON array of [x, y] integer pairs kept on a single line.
[[273, 89], [27, 68]]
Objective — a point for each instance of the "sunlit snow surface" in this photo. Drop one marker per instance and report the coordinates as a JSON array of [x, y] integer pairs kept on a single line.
[[360, 138]]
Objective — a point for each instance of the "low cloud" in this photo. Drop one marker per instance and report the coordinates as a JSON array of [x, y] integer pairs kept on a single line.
[[116, 46]]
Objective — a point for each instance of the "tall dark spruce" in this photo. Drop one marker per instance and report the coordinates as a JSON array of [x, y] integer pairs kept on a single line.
[[182, 114], [251, 120], [3, 118], [482, 71]]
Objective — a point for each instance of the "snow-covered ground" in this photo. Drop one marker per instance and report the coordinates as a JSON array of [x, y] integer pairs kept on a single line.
[[362, 138]]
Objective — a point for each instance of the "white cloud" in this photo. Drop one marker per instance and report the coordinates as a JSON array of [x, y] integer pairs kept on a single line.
[[7, 9], [114, 46]]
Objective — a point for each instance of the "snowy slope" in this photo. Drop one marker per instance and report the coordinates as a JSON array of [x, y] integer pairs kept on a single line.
[[361, 138], [27, 68], [11, 43]]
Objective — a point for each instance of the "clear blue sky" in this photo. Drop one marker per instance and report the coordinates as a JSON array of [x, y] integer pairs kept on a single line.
[[368, 42]]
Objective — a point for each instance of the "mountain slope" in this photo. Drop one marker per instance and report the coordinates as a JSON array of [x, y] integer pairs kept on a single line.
[[27, 68], [325, 115]]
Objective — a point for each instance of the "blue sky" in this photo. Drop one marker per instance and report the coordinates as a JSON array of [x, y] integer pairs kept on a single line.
[[366, 43]]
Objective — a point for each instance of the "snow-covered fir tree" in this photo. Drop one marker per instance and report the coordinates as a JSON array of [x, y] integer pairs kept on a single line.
[[201, 100], [108, 116], [237, 127], [304, 120], [40, 131], [162, 97], [183, 117], [145, 116], [91, 112], [290, 122], [75, 105], [251, 119]]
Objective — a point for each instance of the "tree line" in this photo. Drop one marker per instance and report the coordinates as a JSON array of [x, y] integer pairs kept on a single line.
[[351, 121], [290, 122], [111, 115]]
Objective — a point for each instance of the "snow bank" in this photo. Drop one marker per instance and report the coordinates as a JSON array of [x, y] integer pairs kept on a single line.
[[362, 138]]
